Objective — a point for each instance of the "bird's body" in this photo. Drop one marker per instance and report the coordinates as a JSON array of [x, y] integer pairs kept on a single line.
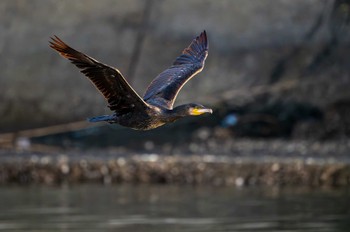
[[156, 107], [151, 118]]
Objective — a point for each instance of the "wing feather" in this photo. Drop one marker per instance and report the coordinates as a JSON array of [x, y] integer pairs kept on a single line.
[[121, 97], [164, 88]]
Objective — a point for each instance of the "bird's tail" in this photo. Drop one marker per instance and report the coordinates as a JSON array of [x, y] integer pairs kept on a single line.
[[107, 118]]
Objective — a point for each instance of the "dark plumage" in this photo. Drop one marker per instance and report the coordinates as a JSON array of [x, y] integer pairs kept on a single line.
[[156, 107]]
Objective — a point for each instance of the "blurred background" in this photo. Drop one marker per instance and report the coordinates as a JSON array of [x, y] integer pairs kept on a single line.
[[277, 77], [279, 64]]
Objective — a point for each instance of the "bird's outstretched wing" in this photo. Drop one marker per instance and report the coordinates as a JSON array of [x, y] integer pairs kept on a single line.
[[121, 97], [165, 87]]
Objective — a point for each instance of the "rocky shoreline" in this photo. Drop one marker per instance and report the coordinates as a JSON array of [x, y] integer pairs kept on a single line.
[[115, 167]]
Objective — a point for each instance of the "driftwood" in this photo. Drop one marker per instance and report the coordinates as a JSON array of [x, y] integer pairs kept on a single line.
[[21, 139]]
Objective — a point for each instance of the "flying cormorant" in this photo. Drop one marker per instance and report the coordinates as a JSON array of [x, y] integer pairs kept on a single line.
[[156, 107]]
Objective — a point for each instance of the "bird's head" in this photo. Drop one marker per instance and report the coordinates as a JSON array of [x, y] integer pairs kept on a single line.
[[192, 109]]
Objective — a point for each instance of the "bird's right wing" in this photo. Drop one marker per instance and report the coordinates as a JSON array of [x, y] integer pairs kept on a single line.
[[121, 97], [164, 88]]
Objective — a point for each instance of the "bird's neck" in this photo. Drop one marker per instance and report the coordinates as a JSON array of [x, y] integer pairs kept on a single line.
[[172, 115], [179, 112]]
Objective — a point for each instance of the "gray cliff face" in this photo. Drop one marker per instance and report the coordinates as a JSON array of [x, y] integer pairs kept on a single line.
[[252, 43]]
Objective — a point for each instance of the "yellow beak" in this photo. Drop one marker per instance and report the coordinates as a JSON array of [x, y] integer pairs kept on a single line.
[[201, 111]]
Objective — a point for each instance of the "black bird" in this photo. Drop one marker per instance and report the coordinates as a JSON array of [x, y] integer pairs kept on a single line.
[[156, 107]]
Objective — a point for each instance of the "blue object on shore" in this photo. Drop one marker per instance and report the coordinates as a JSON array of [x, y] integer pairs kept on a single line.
[[229, 120]]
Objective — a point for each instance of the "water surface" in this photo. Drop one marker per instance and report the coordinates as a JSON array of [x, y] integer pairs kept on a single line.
[[172, 208]]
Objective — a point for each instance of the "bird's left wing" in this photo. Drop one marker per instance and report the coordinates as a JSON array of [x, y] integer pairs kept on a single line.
[[164, 88], [121, 97]]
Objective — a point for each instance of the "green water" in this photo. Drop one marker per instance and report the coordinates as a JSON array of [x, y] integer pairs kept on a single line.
[[172, 208]]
